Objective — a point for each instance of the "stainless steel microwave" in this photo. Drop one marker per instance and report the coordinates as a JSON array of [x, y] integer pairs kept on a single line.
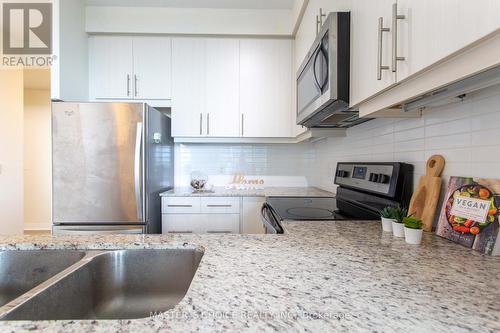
[[323, 77]]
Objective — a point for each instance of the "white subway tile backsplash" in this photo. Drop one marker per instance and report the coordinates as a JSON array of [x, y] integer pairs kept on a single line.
[[467, 134]]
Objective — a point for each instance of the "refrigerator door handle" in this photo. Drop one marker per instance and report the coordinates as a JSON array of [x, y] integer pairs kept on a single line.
[[138, 171]]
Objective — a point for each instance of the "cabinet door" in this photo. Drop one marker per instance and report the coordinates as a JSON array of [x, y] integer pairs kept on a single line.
[[222, 87], [250, 216], [188, 87], [265, 81], [181, 223], [220, 223], [111, 67], [152, 68], [364, 48], [433, 29]]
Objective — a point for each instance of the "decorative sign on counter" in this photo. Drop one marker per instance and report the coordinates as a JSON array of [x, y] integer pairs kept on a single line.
[[240, 181], [470, 216]]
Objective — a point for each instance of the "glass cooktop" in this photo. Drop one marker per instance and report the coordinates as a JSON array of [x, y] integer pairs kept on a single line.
[[309, 208]]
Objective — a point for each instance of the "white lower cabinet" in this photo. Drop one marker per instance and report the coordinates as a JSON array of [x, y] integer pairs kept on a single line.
[[212, 215], [201, 223], [250, 215]]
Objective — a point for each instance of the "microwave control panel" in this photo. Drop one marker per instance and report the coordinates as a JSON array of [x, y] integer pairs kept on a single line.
[[377, 178]]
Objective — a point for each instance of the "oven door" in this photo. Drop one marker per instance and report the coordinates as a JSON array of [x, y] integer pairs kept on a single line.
[[312, 83]]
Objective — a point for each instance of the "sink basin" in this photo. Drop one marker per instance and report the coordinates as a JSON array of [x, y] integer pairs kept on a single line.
[[21, 271], [121, 284]]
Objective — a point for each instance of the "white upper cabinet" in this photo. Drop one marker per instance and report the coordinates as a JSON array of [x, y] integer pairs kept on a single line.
[[370, 48], [188, 87], [152, 68], [222, 87], [225, 87], [130, 67], [416, 35], [432, 30], [111, 67], [265, 81]]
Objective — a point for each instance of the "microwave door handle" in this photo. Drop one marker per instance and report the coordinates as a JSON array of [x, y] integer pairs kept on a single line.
[[326, 65], [314, 69]]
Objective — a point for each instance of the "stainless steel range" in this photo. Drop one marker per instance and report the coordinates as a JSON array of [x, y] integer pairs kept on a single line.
[[364, 190]]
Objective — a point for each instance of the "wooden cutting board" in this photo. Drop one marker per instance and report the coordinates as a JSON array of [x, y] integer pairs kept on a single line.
[[424, 200]]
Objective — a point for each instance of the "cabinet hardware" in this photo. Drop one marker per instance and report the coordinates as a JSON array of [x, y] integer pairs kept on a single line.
[[319, 20], [218, 232], [185, 206], [395, 18], [321, 16], [208, 123], [201, 123], [219, 206], [381, 30], [242, 124], [128, 84], [135, 85], [180, 232]]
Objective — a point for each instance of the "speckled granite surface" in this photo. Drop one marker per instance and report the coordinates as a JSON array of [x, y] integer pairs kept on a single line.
[[266, 192], [342, 276]]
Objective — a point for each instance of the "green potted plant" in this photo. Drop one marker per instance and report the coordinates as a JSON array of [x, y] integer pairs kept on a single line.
[[413, 230], [397, 225], [387, 217]]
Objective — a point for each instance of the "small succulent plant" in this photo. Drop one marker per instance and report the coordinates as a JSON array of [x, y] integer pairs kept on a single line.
[[400, 213], [412, 222], [388, 212]]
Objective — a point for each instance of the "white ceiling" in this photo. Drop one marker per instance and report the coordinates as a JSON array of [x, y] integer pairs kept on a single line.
[[231, 4]]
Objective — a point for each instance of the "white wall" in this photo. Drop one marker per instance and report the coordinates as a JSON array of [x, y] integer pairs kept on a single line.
[[11, 151], [70, 69], [188, 21], [277, 164], [467, 134], [37, 160]]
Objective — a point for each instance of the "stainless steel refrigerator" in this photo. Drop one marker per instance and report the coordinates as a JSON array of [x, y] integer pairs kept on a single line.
[[110, 162]]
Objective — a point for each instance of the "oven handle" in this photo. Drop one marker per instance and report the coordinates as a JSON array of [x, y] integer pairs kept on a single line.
[[267, 225]]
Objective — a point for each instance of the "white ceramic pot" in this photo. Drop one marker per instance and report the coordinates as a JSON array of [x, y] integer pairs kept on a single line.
[[413, 236], [387, 224], [398, 229]]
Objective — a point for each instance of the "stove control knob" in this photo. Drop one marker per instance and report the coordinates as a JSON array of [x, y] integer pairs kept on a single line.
[[342, 173], [373, 177], [383, 179]]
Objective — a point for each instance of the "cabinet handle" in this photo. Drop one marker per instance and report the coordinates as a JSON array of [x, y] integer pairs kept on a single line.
[[218, 232], [242, 124], [219, 205], [321, 16], [135, 85], [395, 18], [128, 84], [201, 123], [180, 232], [317, 24], [179, 205], [208, 123], [381, 30]]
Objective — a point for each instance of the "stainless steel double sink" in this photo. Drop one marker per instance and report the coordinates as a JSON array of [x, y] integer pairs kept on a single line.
[[121, 284]]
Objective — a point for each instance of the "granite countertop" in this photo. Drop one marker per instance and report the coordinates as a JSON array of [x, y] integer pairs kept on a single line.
[[319, 276], [220, 191]]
